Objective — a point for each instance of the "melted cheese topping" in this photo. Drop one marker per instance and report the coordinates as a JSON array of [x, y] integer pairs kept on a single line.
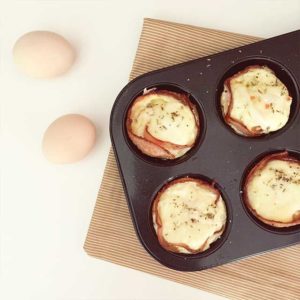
[[191, 215], [259, 99], [166, 119], [274, 191]]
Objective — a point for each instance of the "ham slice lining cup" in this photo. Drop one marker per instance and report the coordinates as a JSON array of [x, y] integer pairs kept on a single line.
[[163, 124], [255, 102], [271, 190], [189, 214]]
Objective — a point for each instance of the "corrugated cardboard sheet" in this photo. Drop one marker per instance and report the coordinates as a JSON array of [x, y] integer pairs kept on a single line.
[[111, 236]]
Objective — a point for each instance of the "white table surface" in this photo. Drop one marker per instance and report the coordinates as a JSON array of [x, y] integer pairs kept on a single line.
[[45, 208]]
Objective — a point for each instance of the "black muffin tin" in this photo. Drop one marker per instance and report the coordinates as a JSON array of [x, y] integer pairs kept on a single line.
[[220, 155]]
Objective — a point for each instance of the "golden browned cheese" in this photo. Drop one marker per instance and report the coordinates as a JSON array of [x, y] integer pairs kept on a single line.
[[255, 102], [272, 190], [163, 124], [189, 215]]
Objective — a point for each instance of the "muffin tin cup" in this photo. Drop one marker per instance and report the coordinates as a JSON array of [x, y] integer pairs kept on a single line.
[[252, 164], [199, 139], [219, 155]]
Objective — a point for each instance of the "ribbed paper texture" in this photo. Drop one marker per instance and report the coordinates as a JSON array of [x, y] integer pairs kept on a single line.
[[111, 236]]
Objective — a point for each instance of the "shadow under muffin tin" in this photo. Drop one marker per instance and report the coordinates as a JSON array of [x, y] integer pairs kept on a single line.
[[219, 155]]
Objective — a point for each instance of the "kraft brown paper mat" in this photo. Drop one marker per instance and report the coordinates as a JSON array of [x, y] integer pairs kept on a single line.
[[274, 275]]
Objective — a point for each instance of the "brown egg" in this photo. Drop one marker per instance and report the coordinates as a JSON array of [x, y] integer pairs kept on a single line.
[[69, 139], [43, 54]]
